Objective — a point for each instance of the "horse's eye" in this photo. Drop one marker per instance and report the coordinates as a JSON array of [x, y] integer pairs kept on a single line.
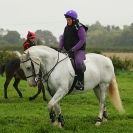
[[28, 68]]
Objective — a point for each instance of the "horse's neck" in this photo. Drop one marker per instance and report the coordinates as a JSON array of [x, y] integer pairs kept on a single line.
[[52, 59], [48, 60], [49, 57]]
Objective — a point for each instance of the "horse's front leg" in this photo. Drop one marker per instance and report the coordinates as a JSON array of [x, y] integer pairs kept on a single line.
[[34, 96], [56, 116], [105, 115], [40, 88], [54, 108], [43, 92]]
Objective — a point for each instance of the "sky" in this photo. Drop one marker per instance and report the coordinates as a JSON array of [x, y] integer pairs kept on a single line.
[[32, 15]]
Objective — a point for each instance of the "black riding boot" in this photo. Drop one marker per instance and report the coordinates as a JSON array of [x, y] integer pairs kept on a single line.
[[80, 83]]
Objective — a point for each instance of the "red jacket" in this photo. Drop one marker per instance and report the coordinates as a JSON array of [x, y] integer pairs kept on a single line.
[[27, 44]]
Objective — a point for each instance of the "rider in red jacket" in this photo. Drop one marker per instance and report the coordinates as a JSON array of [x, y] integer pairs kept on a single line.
[[30, 40]]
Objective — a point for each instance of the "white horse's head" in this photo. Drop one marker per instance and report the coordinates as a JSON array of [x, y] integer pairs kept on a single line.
[[31, 67]]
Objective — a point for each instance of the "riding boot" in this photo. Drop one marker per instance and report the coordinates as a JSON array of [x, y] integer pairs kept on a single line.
[[80, 83]]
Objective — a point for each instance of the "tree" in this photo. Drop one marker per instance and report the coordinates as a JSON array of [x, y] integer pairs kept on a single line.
[[3, 32], [46, 37], [12, 37]]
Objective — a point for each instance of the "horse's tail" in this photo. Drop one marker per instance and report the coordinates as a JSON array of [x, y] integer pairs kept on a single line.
[[2, 69], [114, 95]]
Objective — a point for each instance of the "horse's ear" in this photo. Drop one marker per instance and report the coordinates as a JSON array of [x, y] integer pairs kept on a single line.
[[27, 54]]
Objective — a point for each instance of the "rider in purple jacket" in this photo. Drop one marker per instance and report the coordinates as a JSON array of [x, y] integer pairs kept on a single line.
[[73, 40]]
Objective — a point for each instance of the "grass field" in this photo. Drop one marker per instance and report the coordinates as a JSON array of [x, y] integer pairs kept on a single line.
[[80, 110]]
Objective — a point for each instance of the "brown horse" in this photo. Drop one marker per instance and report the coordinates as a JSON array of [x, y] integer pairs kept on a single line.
[[12, 69]]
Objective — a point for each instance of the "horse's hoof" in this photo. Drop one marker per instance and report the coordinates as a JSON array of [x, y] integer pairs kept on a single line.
[[55, 123], [61, 121], [98, 124], [98, 121], [105, 120], [60, 125]]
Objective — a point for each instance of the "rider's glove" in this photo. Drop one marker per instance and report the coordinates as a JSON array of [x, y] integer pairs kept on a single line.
[[71, 53]]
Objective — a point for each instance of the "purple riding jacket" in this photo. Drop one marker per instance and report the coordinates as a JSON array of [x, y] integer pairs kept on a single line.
[[79, 55]]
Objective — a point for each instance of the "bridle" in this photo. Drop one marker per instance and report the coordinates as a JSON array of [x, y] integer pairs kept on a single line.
[[51, 70], [33, 69]]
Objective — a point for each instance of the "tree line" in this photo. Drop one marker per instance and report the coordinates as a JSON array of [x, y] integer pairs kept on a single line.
[[99, 37], [110, 37], [8, 37]]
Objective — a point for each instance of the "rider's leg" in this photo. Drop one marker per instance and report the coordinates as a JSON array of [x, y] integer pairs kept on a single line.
[[80, 83], [80, 68]]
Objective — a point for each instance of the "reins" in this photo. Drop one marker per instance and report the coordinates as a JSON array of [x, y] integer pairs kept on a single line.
[[48, 73]]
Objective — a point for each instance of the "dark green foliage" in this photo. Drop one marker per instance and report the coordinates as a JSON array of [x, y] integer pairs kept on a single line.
[[46, 37], [122, 65], [91, 50], [110, 37], [5, 56], [10, 47], [99, 37], [12, 37]]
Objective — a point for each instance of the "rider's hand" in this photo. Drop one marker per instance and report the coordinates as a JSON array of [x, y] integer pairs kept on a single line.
[[71, 53]]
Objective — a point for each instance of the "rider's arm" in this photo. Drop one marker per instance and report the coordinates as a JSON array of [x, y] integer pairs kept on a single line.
[[25, 46], [82, 39]]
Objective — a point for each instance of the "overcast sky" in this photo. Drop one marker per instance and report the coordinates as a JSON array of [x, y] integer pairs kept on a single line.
[[24, 15]]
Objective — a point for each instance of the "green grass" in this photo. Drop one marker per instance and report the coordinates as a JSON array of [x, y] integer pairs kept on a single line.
[[80, 111]]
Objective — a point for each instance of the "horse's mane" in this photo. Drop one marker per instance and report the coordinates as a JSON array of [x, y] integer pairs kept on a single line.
[[44, 48], [34, 48], [17, 53]]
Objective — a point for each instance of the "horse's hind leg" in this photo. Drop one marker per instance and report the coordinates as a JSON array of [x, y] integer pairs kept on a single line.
[[100, 92], [15, 84]]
